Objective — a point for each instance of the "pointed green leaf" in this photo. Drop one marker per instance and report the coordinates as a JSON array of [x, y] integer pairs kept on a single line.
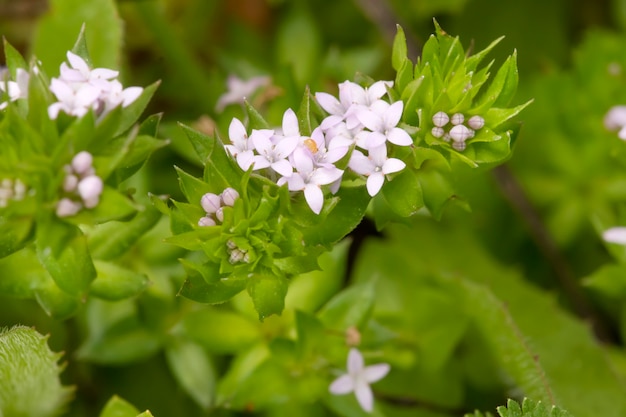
[[349, 308], [55, 302], [267, 293], [193, 370], [13, 59], [304, 114], [404, 193], [204, 284], [118, 407], [399, 50], [256, 120], [114, 282]]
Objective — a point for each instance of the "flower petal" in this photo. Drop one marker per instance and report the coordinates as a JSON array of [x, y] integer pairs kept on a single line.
[[283, 167], [290, 123], [393, 114], [375, 183], [342, 385], [330, 103], [392, 165], [399, 137], [376, 372], [355, 362], [364, 396], [615, 235], [360, 163], [314, 197]]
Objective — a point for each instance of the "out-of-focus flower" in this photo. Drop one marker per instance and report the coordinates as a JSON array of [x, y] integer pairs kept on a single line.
[[358, 379], [17, 89], [239, 90], [615, 119], [615, 235]]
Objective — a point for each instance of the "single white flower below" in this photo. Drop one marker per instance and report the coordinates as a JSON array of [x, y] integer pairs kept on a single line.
[[358, 379], [615, 235]]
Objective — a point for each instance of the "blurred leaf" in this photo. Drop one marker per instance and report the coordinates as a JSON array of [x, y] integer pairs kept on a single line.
[[221, 331], [114, 282], [56, 302], [13, 234], [404, 193], [351, 307], [193, 370], [13, 59], [118, 407], [57, 32]]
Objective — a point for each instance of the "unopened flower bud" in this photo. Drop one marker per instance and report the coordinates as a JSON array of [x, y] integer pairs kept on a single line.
[[210, 203], [236, 256], [440, 119], [459, 146], [476, 122], [229, 195], [460, 133], [437, 132], [457, 119], [219, 214], [70, 182], [206, 221], [90, 187], [82, 163], [67, 207]]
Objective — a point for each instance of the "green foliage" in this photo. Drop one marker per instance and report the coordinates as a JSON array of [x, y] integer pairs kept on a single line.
[[529, 408], [29, 375]]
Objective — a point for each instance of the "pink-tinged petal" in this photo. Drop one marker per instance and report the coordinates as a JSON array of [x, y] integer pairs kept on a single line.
[[5, 104], [130, 94], [325, 175], [364, 396], [399, 137], [346, 89], [330, 104], [210, 203], [330, 122], [53, 110], [82, 162], [375, 183], [361, 164], [90, 186], [622, 133], [245, 159], [378, 89], [355, 361], [378, 155], [262, 144], [70, 74], [283, 167], [237, 133], [77, 62], [302, 161], [290, 123], [260, 162], [392, 165], [86, 96], [393, 114], [67, 207], [335, 154], [314, 197], [358, 95], [22, 77], [334, 187], [376, 372], [370, 120], [374, 140], [615, 118], [232, 150], [615, 235], [61, 90], [104, 73], [342, 385], [286, 146], [295, 182]]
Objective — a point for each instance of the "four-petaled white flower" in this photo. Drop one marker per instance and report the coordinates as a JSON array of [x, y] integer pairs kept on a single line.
[[375, 166], [17, 89], [382, 119], [309, 178], [358, 379]]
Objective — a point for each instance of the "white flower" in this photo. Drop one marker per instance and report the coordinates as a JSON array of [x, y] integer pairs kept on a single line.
[[239, 90], [90, 188], [240, 147], [322, 154], [309, 178], [615, 235], [79, 71], [273, 152], [375, 166], [75, 102], [382, 119], [358, 379], [17, 89]]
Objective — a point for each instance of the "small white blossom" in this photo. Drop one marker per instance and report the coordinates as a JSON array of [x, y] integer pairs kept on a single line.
[[90, 188], [17, 89], [358, 379], [375, 166], [67, 207], [615, 235], [615, 119], [382, 120]]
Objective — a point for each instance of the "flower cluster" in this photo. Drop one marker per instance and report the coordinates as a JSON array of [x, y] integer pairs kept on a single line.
[[360, 123], [81, 186], [11, 190], [80, 88], [458, 133], [213, 206], [17, 89], [615, 119], [358, 379]]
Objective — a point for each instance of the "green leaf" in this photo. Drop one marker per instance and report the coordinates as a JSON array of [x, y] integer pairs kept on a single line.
[[29, 375], [13, 59], [404, 76], [192, 187], [118, 407], [496, 117], [529, 408], [131, 113], [404, 193], [57, 31], [609, 280], [193, 370], [62, 249], [221, 331], [14, 234], [268, 294], [256, 120], [349, 308], [113, 205], [304, 114], [114, 282], [437, 188], [399, 50], [55, 302], [217, 291], [111, 240], [22, 273]]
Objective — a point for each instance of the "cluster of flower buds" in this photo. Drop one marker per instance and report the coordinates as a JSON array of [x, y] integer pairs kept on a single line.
[[11, 190], [81, 186], [15, 90], [458, 133], [80, 88], [213, 205], [360, 118]]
